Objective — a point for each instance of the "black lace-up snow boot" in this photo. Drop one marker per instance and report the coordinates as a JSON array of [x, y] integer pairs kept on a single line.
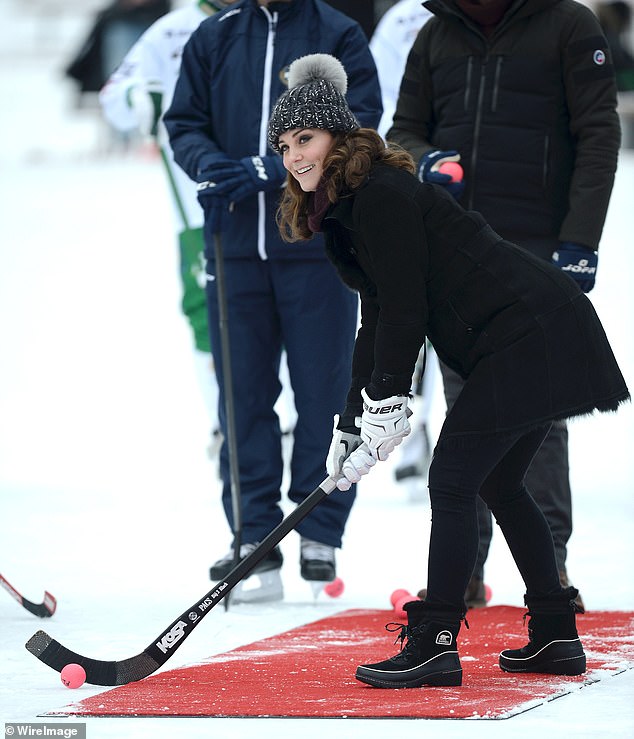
[[553, 645], [430, 656]]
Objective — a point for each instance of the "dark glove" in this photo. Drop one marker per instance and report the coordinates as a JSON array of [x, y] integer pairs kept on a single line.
[[214, 170], [256, 174], [236, 180], [428, 170], [216, 210], [579, 262]]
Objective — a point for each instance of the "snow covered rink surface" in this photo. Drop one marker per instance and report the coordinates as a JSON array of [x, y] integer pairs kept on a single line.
[[107, 498]]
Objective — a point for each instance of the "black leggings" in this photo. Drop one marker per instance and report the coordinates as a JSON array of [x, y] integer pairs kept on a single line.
[[493, 465]]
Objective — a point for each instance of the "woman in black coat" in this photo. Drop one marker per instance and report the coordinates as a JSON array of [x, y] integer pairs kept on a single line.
[[518, 330]]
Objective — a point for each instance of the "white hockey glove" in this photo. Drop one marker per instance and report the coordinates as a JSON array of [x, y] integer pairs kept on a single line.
[[146, 104], [345, 439], [359, 463], [384, 424]]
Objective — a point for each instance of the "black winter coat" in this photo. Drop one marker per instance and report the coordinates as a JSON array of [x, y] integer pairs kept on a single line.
[[531, 110], [519, 330]]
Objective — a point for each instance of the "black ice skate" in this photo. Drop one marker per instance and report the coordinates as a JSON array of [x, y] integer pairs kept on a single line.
[[264, 584], [263, 587], [553, 645], [430, 656], [317, 563]]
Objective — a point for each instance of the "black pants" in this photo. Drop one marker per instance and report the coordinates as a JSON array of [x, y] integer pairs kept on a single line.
[[547, 480], [494, 467]]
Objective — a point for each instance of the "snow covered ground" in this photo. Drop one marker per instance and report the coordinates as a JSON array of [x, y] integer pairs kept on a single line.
[[107, 498]]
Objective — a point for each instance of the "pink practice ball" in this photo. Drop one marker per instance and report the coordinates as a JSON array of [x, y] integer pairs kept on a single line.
[[73, 676], [397, 594], [335, 588], [453, 169], [399, 611]]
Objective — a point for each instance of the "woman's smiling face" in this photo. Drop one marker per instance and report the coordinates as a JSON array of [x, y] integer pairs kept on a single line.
[[304, 151]]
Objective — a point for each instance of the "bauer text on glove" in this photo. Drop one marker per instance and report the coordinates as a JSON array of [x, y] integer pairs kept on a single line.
[[384, 423]]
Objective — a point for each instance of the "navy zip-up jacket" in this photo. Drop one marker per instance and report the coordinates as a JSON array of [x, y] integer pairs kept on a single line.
[[233, 71]]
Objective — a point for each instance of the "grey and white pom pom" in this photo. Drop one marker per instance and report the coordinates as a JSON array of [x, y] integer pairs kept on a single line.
[[315, 67]]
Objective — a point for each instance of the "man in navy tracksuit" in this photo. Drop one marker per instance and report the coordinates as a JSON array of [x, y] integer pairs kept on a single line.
[[279, 296]]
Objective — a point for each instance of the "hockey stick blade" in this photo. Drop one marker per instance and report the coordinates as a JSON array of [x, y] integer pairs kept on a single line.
[[43, 610], [121, 672]]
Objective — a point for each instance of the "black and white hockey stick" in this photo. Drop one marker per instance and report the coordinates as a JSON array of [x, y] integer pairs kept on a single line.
[[227, 388], [43, 610], [121, 672]]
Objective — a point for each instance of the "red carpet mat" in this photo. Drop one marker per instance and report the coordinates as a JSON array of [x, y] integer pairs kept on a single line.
[[309, 672]]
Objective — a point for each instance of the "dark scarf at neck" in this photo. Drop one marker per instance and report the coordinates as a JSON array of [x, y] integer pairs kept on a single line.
[[486, 13], [318, 204]]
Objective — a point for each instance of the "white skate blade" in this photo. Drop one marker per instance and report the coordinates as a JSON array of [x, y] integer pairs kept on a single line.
[[317, 586], [263, 587], [331, 588]]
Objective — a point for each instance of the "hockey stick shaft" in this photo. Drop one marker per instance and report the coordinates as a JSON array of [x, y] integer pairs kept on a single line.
[[227, 388], [43, 610], [101, 672]]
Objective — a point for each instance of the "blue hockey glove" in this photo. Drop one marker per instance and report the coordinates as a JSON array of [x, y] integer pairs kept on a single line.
[[216, 210], [428, 170], [257, 174], [214, 170], [579, 262], [236, 180]]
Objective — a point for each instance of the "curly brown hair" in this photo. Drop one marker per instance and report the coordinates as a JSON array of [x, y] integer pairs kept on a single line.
[[346, 168]]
